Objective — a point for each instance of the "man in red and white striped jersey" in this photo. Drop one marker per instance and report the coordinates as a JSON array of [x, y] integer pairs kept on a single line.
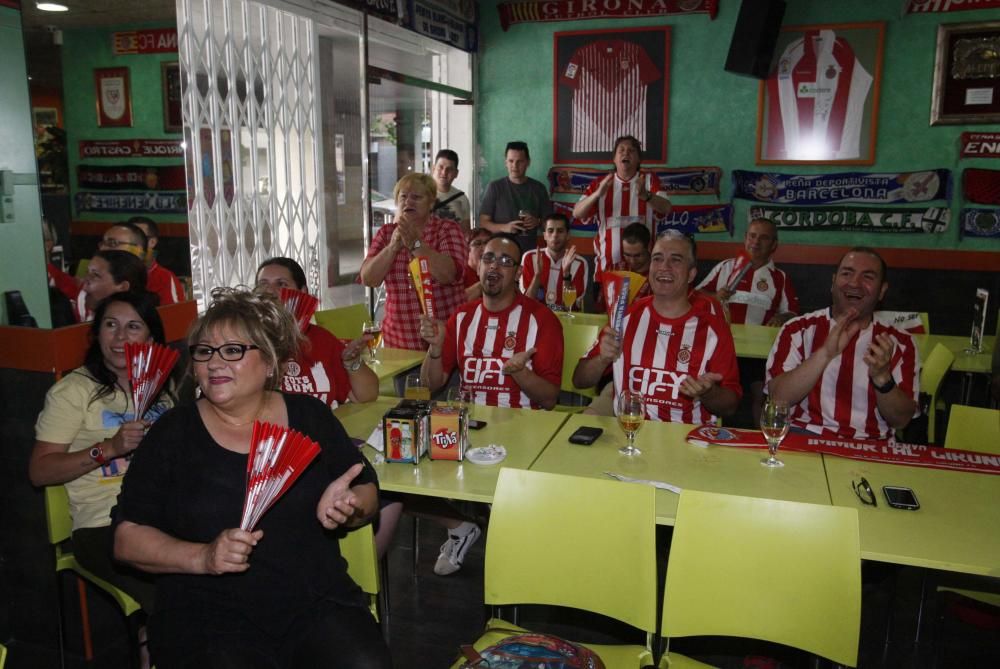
[[843, 373], [680, 358], [545, 271], [627, 195], [508, 349]]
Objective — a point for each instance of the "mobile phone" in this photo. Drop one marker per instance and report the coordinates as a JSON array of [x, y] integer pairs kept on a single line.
[[585, 436], [900, 498], [476, 424]]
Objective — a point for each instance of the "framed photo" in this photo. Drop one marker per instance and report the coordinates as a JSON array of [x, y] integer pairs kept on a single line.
[[820, 104], [114, 97], [610, 83], [966, 74], [170, 77]]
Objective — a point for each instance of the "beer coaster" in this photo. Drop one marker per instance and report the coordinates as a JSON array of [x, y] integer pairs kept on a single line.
[[486, 455]]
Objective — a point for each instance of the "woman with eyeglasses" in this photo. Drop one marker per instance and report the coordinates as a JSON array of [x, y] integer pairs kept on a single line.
[[88, 430], [277, 596], [415, 233]]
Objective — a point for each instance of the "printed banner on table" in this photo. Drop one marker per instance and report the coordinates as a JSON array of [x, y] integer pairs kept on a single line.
[[914, 455], [675, 181], [131, 148], [932, 219], [979, 223], [159, 202], [843, 187], [534, 11], [120, 177], [981, 186], [697, 218], [981, 145], [149, 40], [941, 6]]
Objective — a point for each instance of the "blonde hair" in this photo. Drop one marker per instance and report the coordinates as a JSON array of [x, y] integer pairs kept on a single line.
[[416, 181], [259, 317]]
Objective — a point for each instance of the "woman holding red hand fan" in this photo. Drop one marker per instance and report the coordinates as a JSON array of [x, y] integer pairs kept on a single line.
[[277, 595]]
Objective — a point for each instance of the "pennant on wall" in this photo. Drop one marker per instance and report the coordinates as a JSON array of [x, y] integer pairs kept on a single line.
[[673, 180], [122, 177], [981, 186], [940, 6], [536, 11], [162, 202], [979, 223], [842, 187], [868, 219], [981, 145]]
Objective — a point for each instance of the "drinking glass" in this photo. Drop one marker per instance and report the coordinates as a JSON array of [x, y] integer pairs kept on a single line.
[[461, 398], [374, 328], [569, 298], [631, 410], [415, 388], [774, 425]]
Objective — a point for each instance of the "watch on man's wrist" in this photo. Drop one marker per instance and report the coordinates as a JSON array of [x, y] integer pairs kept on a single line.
[[352, 365], [97, 455], [884, 388], [416, 245]]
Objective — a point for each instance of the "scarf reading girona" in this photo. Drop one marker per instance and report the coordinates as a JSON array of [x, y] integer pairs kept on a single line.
[[572, 10]]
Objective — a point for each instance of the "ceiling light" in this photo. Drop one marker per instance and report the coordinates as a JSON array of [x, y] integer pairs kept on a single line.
[[51, 7]]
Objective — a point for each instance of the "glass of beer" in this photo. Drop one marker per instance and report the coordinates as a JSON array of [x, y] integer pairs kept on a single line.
[[631, 410], [569, 297], [373, 328], [415, 388], [774, 426]]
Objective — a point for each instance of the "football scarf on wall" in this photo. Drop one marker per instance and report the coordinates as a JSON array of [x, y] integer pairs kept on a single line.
[[673, 180], [120, 177], [981, 186], [690, 219], [856, 219], [979, 223], [162, 202], [535, 11], [131, 148], [981, 145], [842, 187], [941, 6]]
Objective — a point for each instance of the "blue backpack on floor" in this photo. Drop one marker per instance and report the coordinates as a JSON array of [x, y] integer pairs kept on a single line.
[[532, 651]]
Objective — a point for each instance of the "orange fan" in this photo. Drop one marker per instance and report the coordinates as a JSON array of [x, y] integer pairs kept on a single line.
[[278, 456], [301, 305], [149, 368]]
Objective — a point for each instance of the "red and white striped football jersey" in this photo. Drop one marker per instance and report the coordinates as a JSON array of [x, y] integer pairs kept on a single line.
[[479, 342], [843, 401], [609, 79], [816, 100], [551, 283], [759, 295], [616, 210], [659, 353]]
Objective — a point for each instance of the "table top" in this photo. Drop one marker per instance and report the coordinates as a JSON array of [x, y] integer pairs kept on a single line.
[[667, 457], [580, 318], [523, 432], [393, 361], [954, 529]]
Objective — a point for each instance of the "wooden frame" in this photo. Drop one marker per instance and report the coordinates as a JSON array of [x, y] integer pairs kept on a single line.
[[170, 78], [846, 78], [113, 97], [644, 52], [961, 93]]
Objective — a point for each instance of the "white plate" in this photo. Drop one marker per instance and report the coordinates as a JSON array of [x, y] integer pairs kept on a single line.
[[486, 455]]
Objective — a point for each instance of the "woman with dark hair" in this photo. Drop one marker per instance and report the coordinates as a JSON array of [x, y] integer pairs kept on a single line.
[[88, 429], [277, 596], [108, 272], [324, 368]]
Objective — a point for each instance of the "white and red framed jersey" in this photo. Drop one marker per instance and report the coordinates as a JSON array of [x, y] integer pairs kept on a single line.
[[658, 353], [759, 295], [610, 80], [616, 210], [318, 370], [479, 342], [817, 100], [843, 401], [551, 283]]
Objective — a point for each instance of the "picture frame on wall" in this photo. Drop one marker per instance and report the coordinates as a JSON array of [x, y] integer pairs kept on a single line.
[[609, 83], [114, 97], [170, 78], [966, 86], [820, 104]]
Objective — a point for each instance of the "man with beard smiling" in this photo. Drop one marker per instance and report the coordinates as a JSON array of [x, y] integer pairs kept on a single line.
[[843, 373], [680, 358]]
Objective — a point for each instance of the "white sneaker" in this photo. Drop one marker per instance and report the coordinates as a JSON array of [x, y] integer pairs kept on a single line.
[[454, 549]]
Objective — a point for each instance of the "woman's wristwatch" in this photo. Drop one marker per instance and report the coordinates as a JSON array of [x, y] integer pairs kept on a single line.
[[352, 365], [97, 454]]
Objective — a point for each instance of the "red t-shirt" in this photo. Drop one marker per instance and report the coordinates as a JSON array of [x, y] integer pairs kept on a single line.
[[164, 283], [318, 370]]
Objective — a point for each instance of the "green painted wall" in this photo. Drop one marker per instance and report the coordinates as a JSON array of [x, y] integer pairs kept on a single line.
[[713, 114], [85, 50], [22, 256]]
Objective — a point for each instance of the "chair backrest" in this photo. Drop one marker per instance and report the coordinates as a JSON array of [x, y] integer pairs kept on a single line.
[[785, 572], [571, 541], [935, 368], [925, 320], [3, 655], [577, 340], [343, 322], [358, 548], [60, 523], [973, 429]]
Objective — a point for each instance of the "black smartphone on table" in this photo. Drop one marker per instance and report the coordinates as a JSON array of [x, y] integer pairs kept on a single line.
[[585, 436], [899, 497], [476, 424]]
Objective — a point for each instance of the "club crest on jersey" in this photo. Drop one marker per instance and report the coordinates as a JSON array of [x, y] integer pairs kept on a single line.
[[684, 355], [510, 342], [762, 285], [293, 368], [571, 71], [784, 68], [625, 64]]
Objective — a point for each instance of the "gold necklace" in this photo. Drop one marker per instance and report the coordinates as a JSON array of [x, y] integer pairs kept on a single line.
[[256, 415]]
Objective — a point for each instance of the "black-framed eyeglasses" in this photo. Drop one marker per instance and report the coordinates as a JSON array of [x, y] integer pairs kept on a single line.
[[502, 260], [228, 352], [864, 492]]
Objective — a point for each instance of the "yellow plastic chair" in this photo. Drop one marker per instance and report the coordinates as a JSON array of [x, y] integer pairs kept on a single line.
[[60, 527], [358, 548], [785, 572], [568, 541], [934, 370], [343, 322], [3, 655], [82, 265], [577, 340], [925, 320]]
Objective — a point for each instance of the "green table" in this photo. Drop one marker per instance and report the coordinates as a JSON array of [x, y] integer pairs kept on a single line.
[[523, 432], [393, 361], [666, 456], [579, 318]]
